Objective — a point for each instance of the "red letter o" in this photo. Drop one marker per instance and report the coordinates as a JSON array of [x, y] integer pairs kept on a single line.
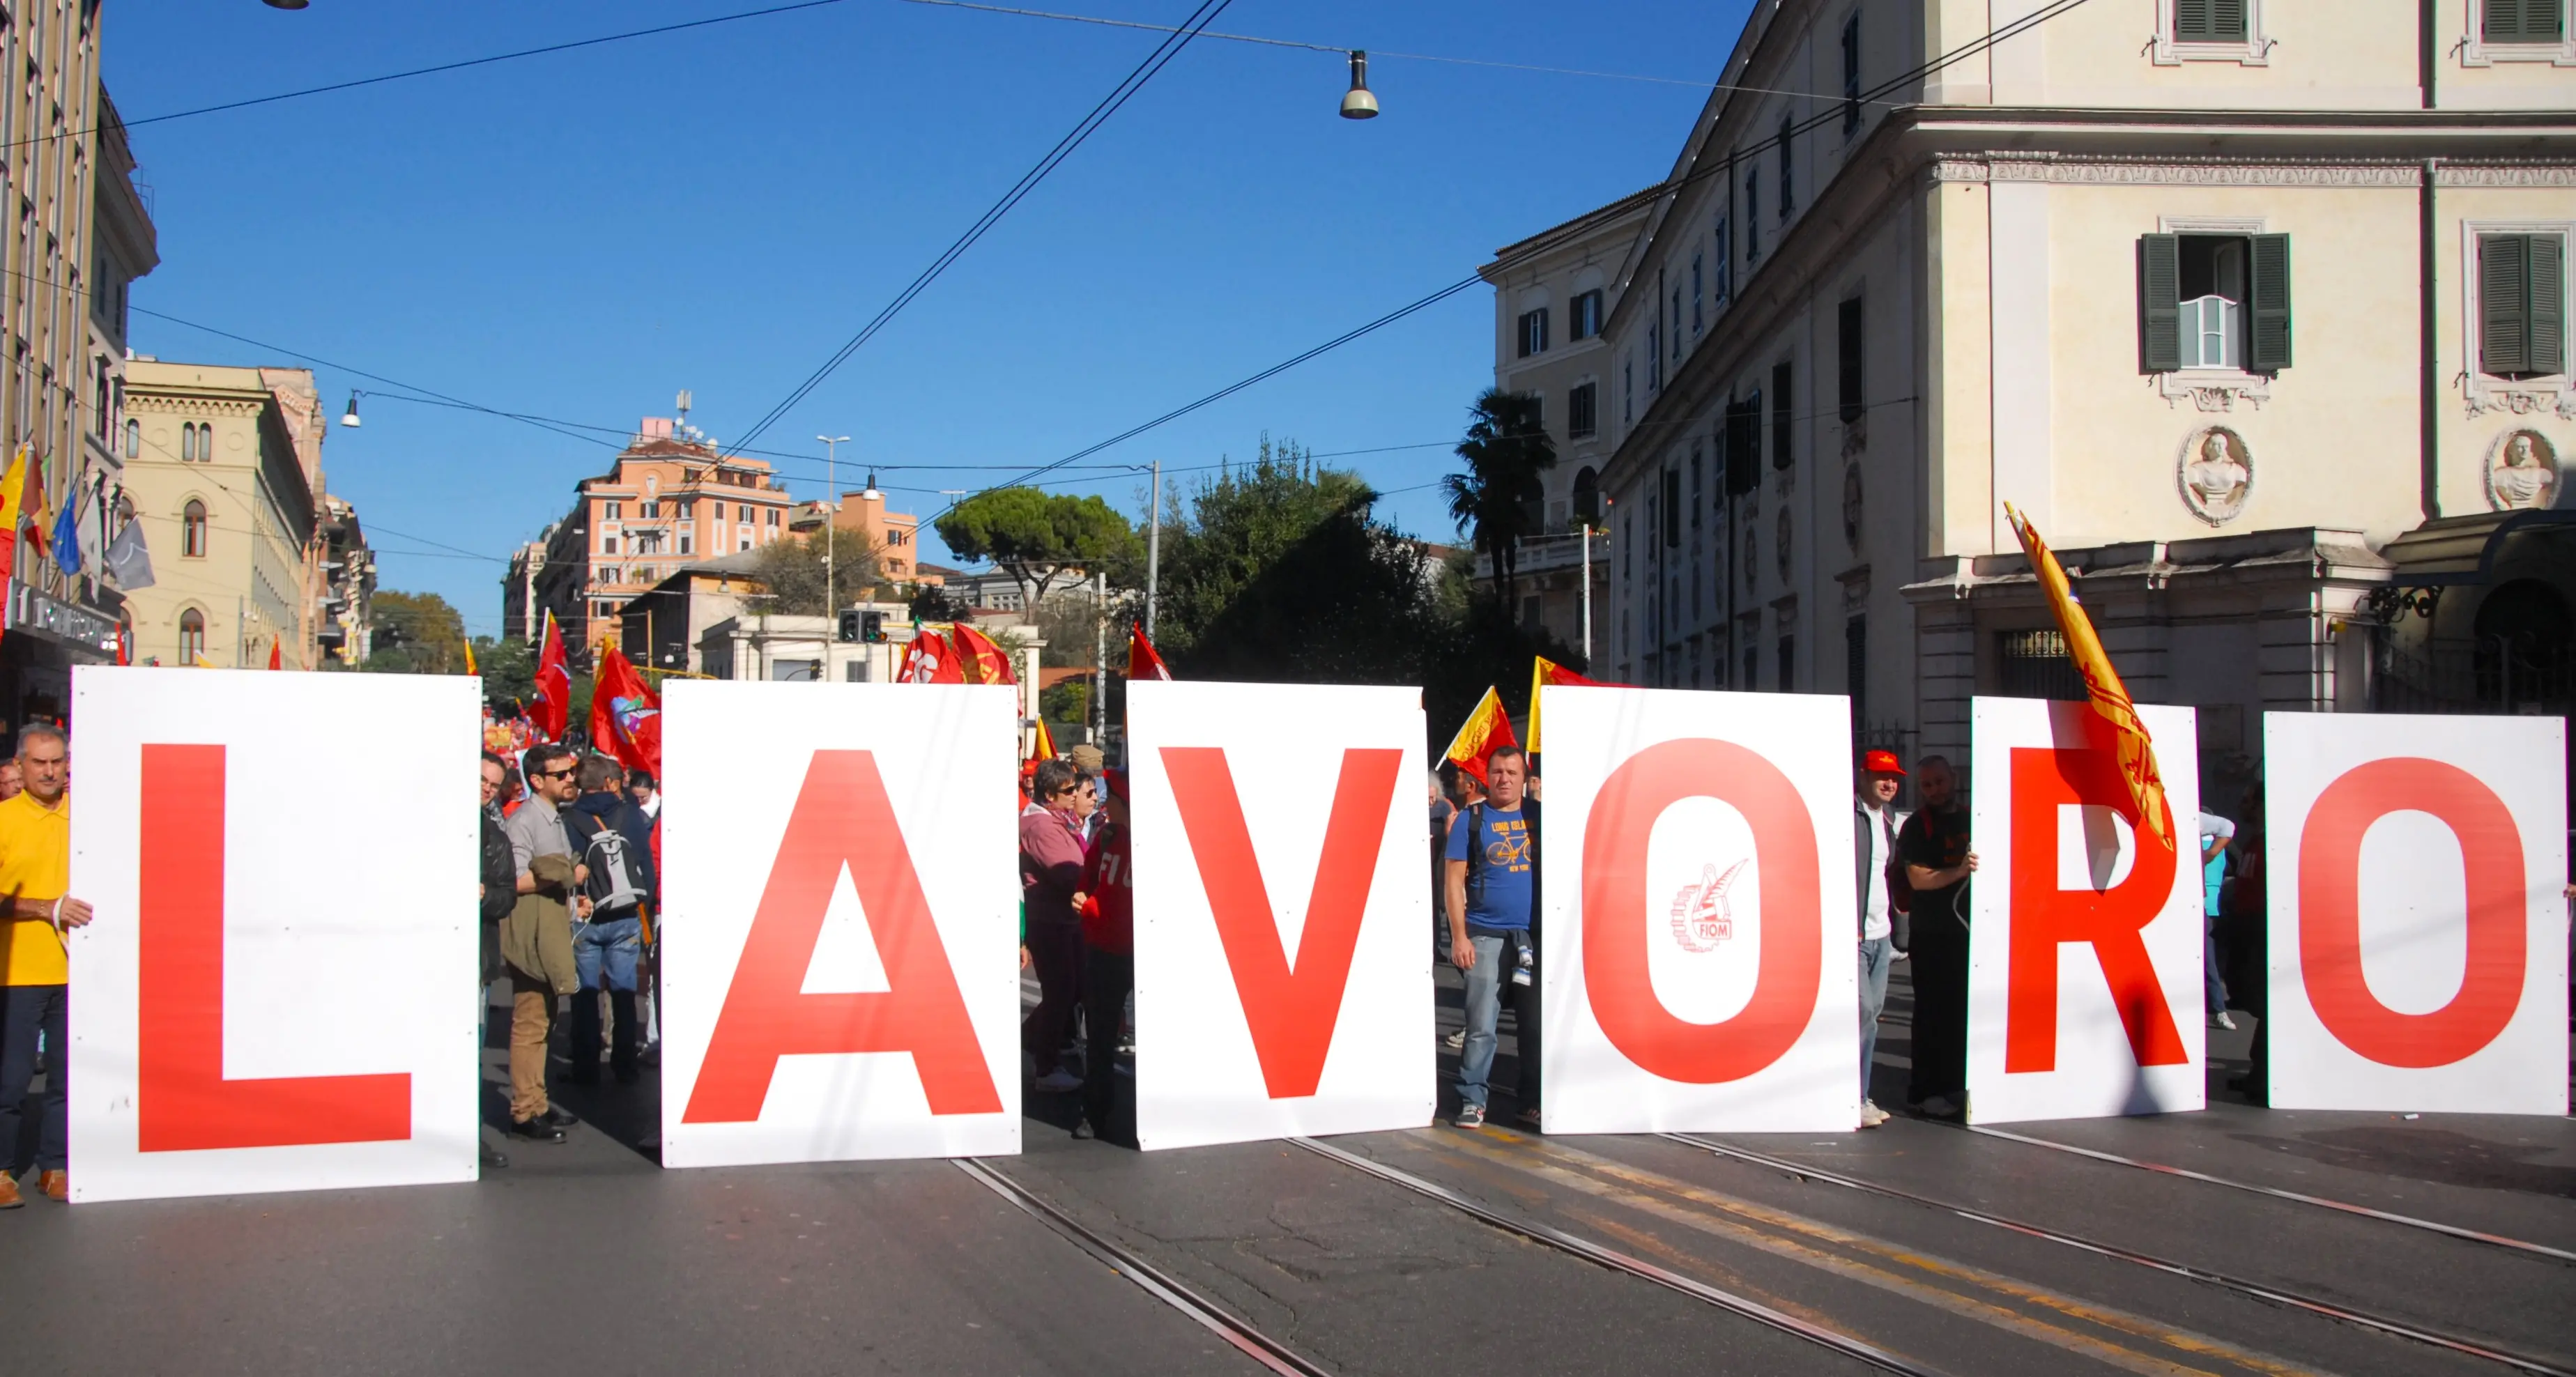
[[2330, 912], [1616, 914]]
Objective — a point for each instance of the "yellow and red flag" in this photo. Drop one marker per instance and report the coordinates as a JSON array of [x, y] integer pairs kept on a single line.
[[979, 661], [1041, 744], [34, 507], [469, 659], [276, 652], [1142, 660], [1544, 671], [1488, 729], [2136, 754], [13, 512]]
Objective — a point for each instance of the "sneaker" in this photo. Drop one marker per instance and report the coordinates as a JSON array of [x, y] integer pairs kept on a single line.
[[2222, 1020], [1528, 1118], [57, 1184], [1871, 1116], [1456, 1041], [1469, 1116], [1058, 1081], [1940, 1107], [10, 1199], [536, 1130], [1082, 1130]]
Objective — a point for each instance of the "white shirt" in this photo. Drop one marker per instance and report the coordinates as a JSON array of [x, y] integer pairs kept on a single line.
[[1874, 918]]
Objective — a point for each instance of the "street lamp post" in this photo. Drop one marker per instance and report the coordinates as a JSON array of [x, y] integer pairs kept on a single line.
[[1154, 550], [831, 517]]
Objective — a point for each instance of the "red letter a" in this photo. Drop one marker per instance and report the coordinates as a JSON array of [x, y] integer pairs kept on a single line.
[[1291, 1010], [842, 817], [185, 1103]]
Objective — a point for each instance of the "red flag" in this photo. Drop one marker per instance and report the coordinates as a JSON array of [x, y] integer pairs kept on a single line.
[[1042, 744], [1142, 662], [553, 712], [931, 660], [979, 660], [1488, 729], [276, 653], [124, 641], [626, 715]]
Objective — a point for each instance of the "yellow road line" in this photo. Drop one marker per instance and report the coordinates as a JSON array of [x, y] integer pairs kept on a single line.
[[1762, 1227]]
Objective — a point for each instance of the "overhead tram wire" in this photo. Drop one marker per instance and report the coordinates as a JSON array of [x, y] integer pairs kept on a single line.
[[1958, 54], [1100, 114]]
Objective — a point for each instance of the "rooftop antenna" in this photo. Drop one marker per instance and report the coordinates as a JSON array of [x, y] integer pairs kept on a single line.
[[683, 405]]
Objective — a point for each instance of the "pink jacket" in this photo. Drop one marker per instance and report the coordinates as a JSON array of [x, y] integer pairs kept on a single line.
[[1051, 860]]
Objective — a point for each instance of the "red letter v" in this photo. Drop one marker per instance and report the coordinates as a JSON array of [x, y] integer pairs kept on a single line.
[[1291, 1011]]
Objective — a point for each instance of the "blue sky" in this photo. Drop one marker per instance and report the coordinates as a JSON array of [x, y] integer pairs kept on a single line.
[[581, 235]]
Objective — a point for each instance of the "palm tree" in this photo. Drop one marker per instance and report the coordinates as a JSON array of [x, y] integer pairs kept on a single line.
[[1498, 497]]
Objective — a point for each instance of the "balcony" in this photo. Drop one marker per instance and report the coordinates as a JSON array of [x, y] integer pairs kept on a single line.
[[1552, 553]]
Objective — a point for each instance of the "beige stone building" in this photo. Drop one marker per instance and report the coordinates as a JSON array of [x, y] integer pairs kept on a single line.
[[2258, 311], [1553, 293], [224, 470]]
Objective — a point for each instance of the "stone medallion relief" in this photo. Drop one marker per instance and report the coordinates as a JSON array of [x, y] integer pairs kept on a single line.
[[2215, 474], [2522, 472]]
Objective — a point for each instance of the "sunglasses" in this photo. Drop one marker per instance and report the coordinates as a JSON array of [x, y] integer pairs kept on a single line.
[[550, 774]]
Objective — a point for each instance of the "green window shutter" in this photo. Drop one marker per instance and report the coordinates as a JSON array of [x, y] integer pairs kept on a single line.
[[2268, 335], [2159, 303], [2227, 20], [2546, 317], [1783, 413], [2523, 21], [2191, 20], [2504, 299], [2500, 21]]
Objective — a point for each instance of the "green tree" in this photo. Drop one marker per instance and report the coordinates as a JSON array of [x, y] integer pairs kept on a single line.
[[1280, 571], [792, 572], [1035, 536], [509, 669], [416, 633], [1497, 499]]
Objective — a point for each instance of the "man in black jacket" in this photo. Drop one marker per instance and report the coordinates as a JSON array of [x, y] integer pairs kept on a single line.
[[615, 840], [500, 891]]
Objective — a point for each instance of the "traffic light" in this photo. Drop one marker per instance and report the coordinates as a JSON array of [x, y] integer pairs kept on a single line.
[[850, 626], [872, 627]]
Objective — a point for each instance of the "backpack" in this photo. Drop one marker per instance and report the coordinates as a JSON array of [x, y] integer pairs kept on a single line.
[[616, 883]]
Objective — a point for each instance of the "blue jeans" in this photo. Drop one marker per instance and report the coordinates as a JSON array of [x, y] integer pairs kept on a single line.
[[1875, 954], [1484, 1006], [612, 948], [2213, 990], [26, 1010]]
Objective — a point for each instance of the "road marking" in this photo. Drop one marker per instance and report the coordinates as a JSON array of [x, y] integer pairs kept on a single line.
[[1762, 1227]]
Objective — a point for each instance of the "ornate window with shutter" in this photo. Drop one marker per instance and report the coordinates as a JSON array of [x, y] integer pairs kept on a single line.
[[2210, 31], [2214, 311], [2518, 31], [2514, 316]]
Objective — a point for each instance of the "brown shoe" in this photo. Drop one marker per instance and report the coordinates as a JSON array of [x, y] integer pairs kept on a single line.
[[57, 1184], [10, 1199]]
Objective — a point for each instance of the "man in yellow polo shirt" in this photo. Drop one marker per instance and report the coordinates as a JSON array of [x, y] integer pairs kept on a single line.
[[35, 974]]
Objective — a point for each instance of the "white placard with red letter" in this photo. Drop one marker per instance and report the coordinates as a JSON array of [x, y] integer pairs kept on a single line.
[[1699, 936], [1283, 911], [2418, 933], [278, 991], [840, 947], [2084, 945]]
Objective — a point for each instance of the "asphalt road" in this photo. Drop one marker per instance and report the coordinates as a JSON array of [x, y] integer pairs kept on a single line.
[[587, 1253]]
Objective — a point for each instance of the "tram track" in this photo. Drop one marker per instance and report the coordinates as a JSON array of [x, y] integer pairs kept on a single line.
[[1604, 1256], [2269, 1294], [1155, 1282], [2276, 1193]]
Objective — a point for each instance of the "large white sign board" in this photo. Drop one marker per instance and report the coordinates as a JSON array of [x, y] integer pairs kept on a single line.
[[2418, 937], [1698, 928], [1283, 911], [840, 951], [279, 990], [2084, 950]]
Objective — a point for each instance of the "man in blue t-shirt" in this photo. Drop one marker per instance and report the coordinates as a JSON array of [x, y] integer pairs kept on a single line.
[[1490, 898]]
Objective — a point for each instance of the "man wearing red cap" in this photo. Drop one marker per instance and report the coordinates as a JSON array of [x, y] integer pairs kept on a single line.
[[1875, 821]]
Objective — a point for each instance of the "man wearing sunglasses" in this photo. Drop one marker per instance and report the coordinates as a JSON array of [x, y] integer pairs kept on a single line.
[[536, 939]]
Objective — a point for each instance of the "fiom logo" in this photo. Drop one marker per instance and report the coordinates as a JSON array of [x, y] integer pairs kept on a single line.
[[1701, 916]]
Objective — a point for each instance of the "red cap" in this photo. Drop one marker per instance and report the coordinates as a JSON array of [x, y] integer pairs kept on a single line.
[[1881, 763]]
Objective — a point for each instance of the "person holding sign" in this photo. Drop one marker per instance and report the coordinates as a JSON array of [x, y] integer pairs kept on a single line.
[[1491, 897], [1938, 862], [35, 869]]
